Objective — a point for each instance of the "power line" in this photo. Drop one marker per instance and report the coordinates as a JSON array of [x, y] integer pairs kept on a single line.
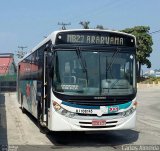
[[154, 32], [22, 47], [64, 25], [94, 11]]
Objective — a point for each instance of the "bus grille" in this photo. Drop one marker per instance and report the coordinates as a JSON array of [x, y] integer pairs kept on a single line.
[[98, 102], [109, 126], [110, 114], [89, 125]]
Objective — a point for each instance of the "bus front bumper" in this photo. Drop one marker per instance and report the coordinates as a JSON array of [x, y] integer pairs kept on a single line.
[[62, 123]]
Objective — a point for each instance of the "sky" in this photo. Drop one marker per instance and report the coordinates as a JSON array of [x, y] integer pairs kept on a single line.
[[26, 23]]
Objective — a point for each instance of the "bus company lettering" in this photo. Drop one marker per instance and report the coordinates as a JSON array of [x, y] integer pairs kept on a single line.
[[70, 87], [88, 39]]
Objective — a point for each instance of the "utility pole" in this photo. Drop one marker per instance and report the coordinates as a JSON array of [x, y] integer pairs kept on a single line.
[[64, 25], [21, 53]]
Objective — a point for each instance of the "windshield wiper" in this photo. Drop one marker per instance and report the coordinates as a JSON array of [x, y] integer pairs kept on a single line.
[[113, 59], [110, 65], [82, 62]]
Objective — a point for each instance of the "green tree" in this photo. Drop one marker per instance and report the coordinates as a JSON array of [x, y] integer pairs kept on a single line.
[[85, 24], [100, 27], [144, 45]]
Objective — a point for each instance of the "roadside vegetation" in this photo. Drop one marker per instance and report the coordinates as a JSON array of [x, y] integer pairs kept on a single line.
[[149, 80]]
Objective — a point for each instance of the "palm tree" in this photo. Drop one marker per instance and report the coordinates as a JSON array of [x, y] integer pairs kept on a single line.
[[85, 24]]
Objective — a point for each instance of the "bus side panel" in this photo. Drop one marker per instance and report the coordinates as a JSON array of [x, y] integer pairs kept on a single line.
[[31, 81]]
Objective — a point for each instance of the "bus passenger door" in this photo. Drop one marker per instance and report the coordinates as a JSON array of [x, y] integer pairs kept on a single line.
[[46, 88]]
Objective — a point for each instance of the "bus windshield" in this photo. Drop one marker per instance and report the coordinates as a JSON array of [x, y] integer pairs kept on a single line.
[[86, 72]]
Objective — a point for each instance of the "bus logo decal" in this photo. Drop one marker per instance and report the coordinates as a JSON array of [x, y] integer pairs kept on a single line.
[[113, 109]]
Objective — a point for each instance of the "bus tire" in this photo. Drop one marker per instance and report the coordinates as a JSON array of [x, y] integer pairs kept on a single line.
[[43, 129]]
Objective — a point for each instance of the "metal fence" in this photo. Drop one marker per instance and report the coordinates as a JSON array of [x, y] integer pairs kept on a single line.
[[8, 83]]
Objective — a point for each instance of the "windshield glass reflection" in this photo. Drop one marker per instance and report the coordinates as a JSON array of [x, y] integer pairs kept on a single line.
[[94, 72]]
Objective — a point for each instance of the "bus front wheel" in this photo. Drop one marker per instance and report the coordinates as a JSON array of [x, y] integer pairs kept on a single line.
[[42, 127]]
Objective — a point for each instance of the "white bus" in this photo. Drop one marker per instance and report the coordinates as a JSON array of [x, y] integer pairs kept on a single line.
[[81, 80]]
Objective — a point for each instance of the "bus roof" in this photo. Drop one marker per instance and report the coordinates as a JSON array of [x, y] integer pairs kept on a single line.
[[52, 37]]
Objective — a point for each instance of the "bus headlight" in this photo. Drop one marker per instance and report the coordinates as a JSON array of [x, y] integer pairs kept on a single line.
[[128, 112], [66, 113], [63, 111]]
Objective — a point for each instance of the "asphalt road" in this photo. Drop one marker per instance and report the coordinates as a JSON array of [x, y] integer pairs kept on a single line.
[[20, 131]]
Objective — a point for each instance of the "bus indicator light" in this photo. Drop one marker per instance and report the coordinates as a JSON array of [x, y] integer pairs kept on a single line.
[[56, 106]]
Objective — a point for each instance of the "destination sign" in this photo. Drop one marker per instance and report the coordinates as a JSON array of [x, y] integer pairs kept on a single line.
[[95, 38]]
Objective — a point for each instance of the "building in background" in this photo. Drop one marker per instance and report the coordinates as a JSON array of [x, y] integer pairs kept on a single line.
[[152, 73], [8, 72]]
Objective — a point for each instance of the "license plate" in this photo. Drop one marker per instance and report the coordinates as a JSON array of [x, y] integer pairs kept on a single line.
[[98, 123]]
